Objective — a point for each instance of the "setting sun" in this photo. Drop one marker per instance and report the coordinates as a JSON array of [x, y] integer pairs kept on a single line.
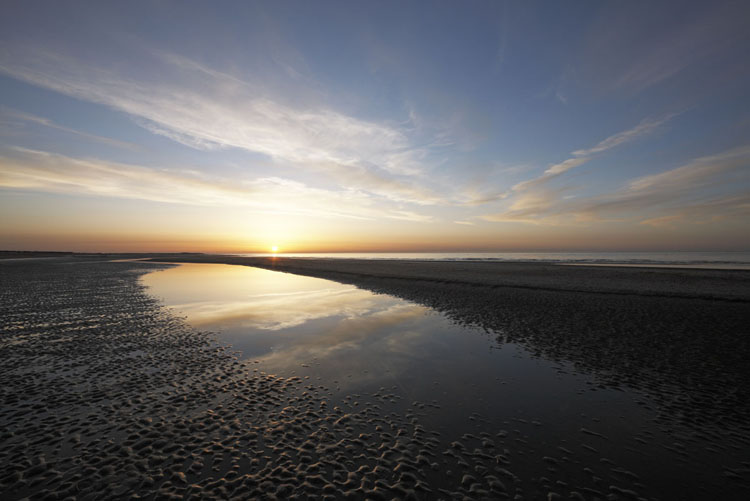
[[275, 249]]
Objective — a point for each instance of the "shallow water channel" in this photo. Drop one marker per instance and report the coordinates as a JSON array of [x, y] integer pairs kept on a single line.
[[561, 430]]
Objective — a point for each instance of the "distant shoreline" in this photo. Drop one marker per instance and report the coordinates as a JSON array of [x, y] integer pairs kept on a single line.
[[687, 259], [686, 266], [727, 260]]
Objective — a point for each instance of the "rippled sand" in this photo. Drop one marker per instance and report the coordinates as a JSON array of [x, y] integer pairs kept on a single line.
[[107, 395]]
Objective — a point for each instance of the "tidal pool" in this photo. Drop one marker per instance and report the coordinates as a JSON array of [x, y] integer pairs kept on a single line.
[[562, 430]]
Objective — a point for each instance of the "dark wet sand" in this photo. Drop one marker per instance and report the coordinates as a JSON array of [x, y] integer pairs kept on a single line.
[[106, 395]]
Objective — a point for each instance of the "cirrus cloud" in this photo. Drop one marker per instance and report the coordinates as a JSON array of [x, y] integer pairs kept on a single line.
[[34, 170], [207, 109]]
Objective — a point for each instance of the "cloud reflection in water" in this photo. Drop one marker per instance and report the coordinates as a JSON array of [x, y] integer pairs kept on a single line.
[[288, 322]]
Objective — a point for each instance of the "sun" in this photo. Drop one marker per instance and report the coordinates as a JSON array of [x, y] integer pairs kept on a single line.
[[275, 249]]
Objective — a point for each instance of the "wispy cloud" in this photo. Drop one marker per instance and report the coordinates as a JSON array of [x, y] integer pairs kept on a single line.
[[713, 210], [552, 172], [472, 196], [533, 195], [224, 111], [47, 172], [700, 172], [28, 117], [662, 221], [580, 157], [707, 188], [647, 126]]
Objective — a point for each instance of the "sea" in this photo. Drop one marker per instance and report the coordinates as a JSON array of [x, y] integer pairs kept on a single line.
[[687, 259]]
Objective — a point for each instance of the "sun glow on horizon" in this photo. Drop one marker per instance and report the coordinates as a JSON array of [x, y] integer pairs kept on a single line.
[[275, 249]]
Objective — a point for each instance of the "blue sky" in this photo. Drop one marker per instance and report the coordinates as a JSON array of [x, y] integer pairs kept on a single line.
[[375, 125]]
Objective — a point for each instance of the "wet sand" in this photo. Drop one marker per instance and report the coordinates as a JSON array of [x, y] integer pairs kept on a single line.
[[107, 395]]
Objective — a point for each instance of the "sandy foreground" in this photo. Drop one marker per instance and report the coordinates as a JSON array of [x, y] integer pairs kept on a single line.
[[106, 395]]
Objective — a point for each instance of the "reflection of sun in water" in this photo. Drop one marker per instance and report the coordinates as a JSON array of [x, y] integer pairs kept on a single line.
[[275, 249]]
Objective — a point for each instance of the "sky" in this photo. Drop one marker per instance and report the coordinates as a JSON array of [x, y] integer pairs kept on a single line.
[[374, 126]]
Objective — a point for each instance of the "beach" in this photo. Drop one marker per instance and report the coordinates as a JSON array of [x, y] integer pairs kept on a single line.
[[107, 394]]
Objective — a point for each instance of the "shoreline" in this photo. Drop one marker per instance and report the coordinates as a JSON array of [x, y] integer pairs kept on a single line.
[[670, 282]]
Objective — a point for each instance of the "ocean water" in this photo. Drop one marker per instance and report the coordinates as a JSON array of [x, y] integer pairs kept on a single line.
[[729, 260]]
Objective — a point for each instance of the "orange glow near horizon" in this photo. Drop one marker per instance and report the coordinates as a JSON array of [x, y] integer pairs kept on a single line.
[[396, 242], [102, 225]]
